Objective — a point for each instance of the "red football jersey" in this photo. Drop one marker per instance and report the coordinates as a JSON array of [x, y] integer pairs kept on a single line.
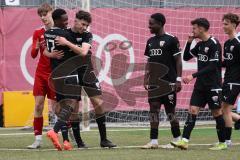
[[44, 62]]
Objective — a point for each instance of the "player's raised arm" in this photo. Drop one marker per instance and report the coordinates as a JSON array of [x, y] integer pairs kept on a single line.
[[35, 45], [189, 54]]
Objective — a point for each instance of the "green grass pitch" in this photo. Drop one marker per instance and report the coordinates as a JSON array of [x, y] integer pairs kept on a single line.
[[13, 144]]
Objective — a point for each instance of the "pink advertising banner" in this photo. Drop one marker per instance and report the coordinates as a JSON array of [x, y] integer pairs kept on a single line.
[[17, 68]]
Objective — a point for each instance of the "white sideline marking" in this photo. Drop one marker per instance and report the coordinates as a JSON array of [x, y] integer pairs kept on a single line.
[[15, 134], [93, 148], [113, 130]]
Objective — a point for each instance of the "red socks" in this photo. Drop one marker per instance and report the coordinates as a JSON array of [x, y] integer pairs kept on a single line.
[[38, 125]]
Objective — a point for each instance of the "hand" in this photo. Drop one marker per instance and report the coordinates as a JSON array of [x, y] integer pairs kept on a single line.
[[37, 45], [187, 79], [42, 44], [61, 41], [178, 86], [57, 54], [190, 38]]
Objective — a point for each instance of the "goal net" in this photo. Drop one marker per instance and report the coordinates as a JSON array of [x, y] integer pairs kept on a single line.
[[120, 29]]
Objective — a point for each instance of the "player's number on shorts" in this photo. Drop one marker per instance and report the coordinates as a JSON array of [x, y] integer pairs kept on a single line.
[[50, 45]]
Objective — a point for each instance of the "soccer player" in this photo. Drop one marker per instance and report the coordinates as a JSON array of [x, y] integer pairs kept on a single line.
[[87, 78], [207, 87], [41, 88], [162, 48], [67, 102], [231, 85]]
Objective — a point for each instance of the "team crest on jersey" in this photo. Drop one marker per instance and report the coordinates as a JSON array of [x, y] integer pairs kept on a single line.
[[162, 43], [216, 55], [231, 48], [170, 97], [215, 99], [206, 49], [79, 39]]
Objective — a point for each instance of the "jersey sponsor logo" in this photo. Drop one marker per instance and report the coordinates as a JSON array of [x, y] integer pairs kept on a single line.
[[155, 52], [206, 49], [202, 57], [50, 35], [231, 48], [161, 43], [228, 56]]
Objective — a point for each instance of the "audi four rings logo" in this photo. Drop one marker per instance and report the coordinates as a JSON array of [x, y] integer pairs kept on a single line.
[[103, 47], [202, 57], [228, 56], [155, 52]]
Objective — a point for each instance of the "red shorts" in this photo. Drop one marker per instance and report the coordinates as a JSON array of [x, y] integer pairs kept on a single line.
[[41, 87]]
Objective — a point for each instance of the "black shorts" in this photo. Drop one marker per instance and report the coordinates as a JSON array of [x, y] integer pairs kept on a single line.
[[168, 100], [71, 91], [230, 92], [89, 82], [211, 97]]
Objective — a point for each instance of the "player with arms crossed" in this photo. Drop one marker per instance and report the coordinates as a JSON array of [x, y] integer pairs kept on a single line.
[[87, 78], [163, 48], [231, 85], [207, 88], [41, 88]]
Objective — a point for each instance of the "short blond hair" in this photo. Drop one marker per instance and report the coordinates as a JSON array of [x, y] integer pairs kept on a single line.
[[44, 8]]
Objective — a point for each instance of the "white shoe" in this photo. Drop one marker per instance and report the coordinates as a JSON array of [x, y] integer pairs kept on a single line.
[[150, 146], [36, 144], [229, 143], [166, 146]]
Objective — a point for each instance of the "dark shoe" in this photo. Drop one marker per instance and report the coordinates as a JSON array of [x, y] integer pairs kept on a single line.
[[107, 144], [82, 145]]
